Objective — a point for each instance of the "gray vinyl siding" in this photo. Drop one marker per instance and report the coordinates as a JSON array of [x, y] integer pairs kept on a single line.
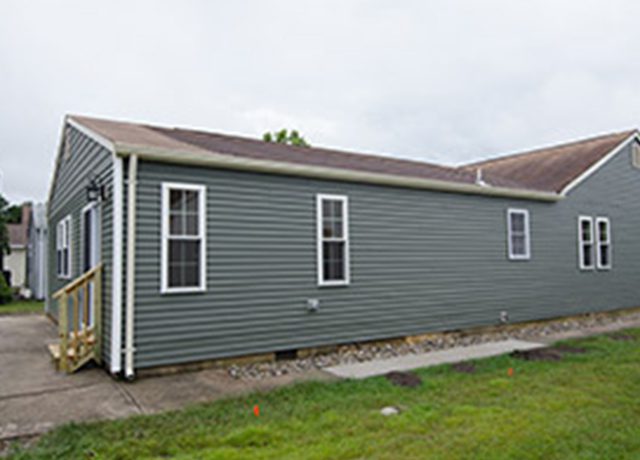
[[420, 261], [87, 159]]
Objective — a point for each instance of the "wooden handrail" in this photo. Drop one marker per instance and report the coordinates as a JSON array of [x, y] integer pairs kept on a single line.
[[78, 281], [82, 342]]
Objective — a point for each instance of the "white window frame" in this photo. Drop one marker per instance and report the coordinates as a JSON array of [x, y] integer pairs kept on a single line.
[[635, 155], [64, 241], [202, 219], [527, 235], [598, 244], [582, 242], [320, 198]]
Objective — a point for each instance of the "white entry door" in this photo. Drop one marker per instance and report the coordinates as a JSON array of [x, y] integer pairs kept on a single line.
[[90, 246]]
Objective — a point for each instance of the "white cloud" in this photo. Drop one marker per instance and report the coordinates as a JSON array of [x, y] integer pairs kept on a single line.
[[442, 81]]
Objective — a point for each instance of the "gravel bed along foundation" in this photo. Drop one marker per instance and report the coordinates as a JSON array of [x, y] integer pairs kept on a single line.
[[367, 351]]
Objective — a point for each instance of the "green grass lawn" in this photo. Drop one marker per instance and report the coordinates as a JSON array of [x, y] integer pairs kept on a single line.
[[22, 307], [586, 406]]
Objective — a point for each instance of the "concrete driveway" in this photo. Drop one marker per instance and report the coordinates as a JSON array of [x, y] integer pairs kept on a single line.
[[34, 397]]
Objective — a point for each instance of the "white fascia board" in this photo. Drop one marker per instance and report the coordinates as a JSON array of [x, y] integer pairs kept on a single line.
[[69, 120], [273, 167], [55, 166], [103, 141], [599, 164]]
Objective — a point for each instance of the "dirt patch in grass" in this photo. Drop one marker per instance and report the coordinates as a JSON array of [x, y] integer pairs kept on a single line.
[[555, 353], [569, 349], [464, 368], [404, 379], [622, 337]]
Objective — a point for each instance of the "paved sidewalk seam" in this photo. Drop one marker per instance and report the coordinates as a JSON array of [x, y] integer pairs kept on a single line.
[[48, 391], [129, 397]]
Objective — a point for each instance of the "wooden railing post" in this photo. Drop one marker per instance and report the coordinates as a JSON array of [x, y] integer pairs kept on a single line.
[[85, 313], [76, 324], [97, 314], [63, 331]]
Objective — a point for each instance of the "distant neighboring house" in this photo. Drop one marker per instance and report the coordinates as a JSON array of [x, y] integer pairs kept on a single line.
[[37, 251], [16, 261]]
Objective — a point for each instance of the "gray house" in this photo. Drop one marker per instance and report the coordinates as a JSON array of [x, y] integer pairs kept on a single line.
[[212, 246], [37, 251]]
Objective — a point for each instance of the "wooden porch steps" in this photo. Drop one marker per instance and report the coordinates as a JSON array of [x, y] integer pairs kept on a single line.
[[54, 350], [74, 363], [79, 341]]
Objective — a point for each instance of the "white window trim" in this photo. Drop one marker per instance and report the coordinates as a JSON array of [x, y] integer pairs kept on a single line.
[[598, 243], [202, 219], [527, 235], [61, 231], [320, 239], [582, 242]]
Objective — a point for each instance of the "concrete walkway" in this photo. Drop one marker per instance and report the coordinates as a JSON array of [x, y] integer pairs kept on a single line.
[[409, 362], [458, 354], [35, 398]]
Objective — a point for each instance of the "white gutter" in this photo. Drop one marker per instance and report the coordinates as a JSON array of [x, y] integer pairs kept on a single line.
[[131, 265], [205, 158]]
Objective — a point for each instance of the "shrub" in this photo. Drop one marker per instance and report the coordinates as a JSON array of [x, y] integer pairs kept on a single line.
[[6, 295]]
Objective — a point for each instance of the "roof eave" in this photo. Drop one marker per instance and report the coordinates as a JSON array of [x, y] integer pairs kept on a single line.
[[213, 159]]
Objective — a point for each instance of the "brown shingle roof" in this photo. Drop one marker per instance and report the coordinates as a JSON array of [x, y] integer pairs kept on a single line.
[[546, 170], [552, 168], [193, 141]]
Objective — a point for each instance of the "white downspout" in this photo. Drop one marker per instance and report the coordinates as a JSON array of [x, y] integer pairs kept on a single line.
[[116, 267], [131, 265]]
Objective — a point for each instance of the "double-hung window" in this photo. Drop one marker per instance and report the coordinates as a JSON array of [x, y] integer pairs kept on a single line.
[[183, 267], [585, 242], [518, 234], [333, 240], [603, 240], [63, 248]]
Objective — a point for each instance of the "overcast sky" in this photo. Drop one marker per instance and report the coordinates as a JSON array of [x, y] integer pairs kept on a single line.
[[443, 81]]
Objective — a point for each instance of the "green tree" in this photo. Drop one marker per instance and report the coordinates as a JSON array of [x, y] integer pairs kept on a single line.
[[13, 214], [6, 295], [284, 136]]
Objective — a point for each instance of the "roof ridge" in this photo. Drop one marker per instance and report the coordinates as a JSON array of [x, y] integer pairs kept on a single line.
[[537, 150]]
